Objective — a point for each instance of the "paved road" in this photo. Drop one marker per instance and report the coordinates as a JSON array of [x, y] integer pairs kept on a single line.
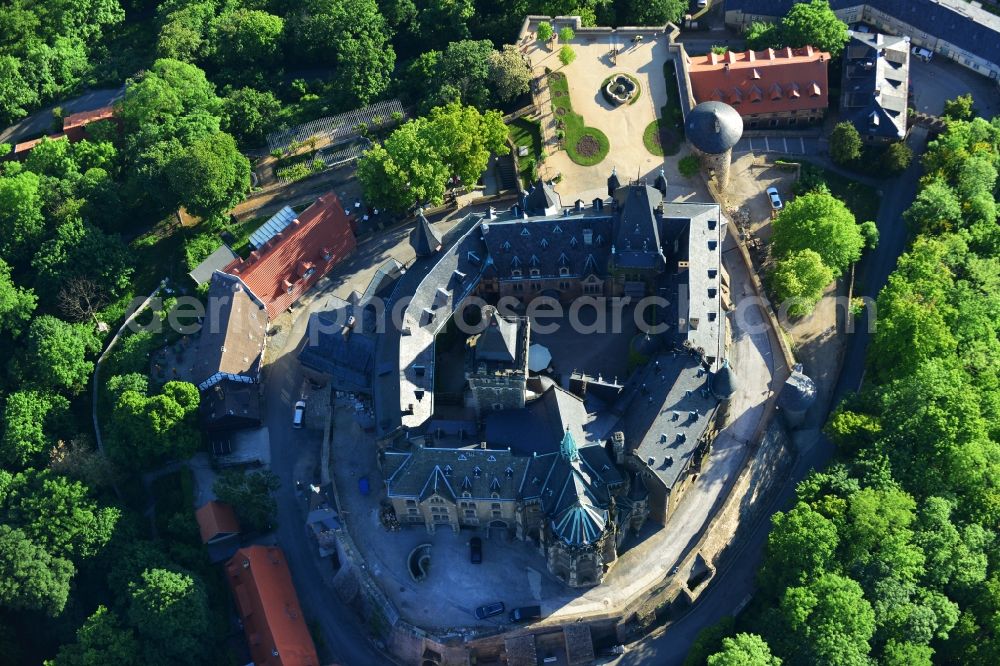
[[40, 122], [732, 584], [342, 630]]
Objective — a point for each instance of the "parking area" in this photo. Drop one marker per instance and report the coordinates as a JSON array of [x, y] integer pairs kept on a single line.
[[940, 79], [750, 176], [795, 145]]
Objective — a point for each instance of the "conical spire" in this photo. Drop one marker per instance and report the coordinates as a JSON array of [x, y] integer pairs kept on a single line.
[[568, 447], [424, 239]]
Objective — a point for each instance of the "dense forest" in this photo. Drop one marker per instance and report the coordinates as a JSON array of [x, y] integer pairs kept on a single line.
[[891, 555]]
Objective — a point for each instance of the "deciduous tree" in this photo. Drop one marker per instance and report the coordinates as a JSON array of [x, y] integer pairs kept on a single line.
[[845, 143], [814, 24], [820, 222], [799, 281], [32, 421], [251, 495], [30, 578], [744, 650], [16, 303], [211, 176], [57, 353], [101, 640], [509, 73], [169, 611]]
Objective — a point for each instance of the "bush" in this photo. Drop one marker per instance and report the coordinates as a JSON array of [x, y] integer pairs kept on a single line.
[[544, 31], [869, 230], [689, 166], [567, 55], [896, 158], [566, 34]]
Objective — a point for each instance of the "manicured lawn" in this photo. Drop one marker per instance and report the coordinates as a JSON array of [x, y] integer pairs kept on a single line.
[[528, 133], [586, 146], [663, 135]]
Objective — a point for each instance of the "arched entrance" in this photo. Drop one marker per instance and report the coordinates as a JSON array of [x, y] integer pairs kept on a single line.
[[499, 530]]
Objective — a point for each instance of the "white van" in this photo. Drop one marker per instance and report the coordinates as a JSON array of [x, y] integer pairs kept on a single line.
[[299, 415], [922, 53]]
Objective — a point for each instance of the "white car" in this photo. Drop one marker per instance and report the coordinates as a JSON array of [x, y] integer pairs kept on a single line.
[[772, 194], [702, 4], [299, 415], [922, 53]]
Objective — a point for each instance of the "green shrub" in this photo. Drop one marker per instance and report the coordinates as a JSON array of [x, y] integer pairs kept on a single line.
[[689, 165]]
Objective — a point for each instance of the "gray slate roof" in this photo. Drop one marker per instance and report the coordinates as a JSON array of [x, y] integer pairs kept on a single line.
[[637, 235], [580, 244], [346, 355], [542, 199], [216, 261], [233, 334], [874, 89], [424, 239], [540, 425], [713, 127], [798, 393], [422, 472], [498, 340]]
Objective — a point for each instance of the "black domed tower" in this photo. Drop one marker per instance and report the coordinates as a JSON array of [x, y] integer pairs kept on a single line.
[[713, 128]]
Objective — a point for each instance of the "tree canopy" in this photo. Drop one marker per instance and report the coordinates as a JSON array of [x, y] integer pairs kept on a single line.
[[820, 222]]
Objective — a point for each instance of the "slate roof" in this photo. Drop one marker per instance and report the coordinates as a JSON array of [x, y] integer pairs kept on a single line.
[[424, 240], [769, 81], [713, 127], [973, 28], [723, 382], [573, 246], [874, 90], [423, 472], [637, 236], [538, 427], [293, 260], [230, 405], [798, 393], [542, 199], [344, 354], [216, 261], [498, 341], [269, 608], [454, 275], [233, 333]]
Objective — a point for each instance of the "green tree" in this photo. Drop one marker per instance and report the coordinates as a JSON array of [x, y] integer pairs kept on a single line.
[[959, 108], [566, 55], [81, 251], [16, 303], [16, 96], [21, 219], [897, 157], [709, 641], [869, 230], [802, 545], [544, 31], [814, 24], [251, 495], [820, 222], [906, 654], [760, 36], [650, 12], [211, 176], [150, 429], [57, 514], [566, 34], [465, 70], [169, 611], [183, 32], [57, 353], [101, 640], [936, 209], [830, 622], [845, 143], [744, 650], [509, 74], [246, 39], [250, 114], [30, 418], [356, 34], [799, 280], [30, 578]]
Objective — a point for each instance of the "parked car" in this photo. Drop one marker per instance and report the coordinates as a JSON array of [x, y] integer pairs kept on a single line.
[[861, 27], [922, 53], [299, 415], [772, 194], [489, 610], [702, 4], [476, 550], [526, 614]]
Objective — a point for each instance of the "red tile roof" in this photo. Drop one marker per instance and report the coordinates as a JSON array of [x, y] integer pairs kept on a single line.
[[86, 117], [763, 81], [25, 147], [279, 272], [267, 604], [216, 519]]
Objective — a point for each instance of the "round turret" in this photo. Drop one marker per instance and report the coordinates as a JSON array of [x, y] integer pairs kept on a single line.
[[713, 127]]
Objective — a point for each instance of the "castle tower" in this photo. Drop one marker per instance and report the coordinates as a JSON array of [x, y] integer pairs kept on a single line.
[[713, 128]]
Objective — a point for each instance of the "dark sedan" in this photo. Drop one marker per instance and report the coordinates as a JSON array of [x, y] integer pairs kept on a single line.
[[489, 610], [476, 550]]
